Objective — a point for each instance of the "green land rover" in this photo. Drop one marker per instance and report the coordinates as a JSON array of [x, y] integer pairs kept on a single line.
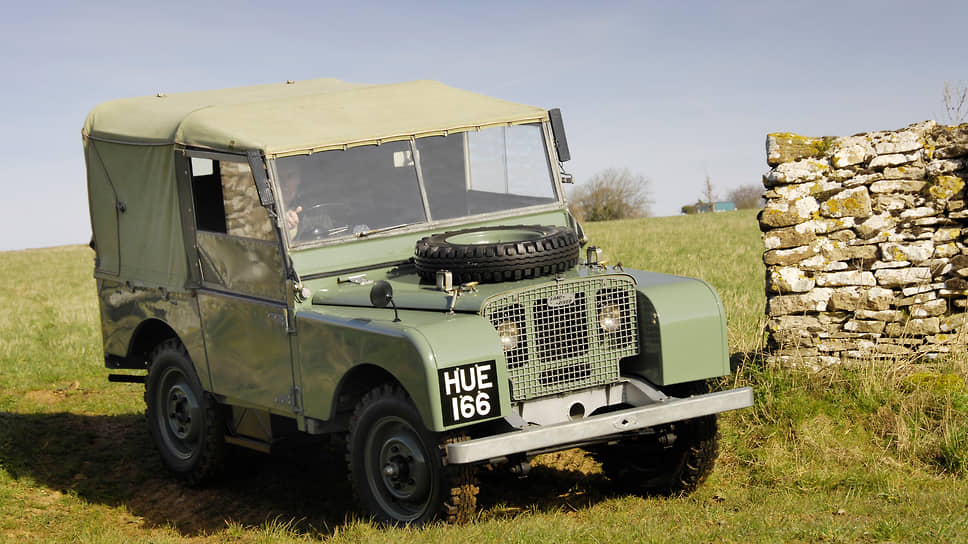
[[395, 264]]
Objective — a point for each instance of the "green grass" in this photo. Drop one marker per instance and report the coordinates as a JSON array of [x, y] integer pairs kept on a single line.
[[867, 454]]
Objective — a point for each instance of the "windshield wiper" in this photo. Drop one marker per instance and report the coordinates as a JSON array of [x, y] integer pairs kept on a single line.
[[382, 229]]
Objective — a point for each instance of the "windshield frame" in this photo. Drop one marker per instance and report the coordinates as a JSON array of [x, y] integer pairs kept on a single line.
[[431, 223]]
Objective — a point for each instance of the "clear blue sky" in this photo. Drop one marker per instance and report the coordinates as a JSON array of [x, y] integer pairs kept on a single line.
[[671, 90]]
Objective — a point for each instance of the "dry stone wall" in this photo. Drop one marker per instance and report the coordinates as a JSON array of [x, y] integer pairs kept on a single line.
[[866, 245]]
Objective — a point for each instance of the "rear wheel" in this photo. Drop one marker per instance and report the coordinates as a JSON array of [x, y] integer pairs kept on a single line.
[[675, 460], [184, 421], [397, 466]]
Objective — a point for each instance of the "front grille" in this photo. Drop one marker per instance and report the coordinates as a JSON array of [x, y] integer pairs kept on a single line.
[[560, 342]]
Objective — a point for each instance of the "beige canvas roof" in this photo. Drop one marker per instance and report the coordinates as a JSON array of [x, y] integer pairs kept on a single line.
[[299, 117]]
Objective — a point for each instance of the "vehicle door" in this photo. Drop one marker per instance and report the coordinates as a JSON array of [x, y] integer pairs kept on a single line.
[[243, 300]]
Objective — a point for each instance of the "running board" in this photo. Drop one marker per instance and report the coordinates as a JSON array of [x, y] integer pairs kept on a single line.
[[538, 438]]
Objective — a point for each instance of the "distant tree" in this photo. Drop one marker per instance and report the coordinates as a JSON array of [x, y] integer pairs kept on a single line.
[[747, 197], [708, 195], [612, 193], [955, 99]]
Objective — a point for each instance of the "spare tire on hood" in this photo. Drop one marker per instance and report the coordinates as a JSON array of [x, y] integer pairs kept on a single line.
[[494, 254]]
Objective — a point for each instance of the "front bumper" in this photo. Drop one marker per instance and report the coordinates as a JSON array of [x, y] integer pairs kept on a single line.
[[547, 437]]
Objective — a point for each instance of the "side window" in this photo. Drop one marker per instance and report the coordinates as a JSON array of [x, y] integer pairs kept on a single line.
[[207, 194], [227, 201]]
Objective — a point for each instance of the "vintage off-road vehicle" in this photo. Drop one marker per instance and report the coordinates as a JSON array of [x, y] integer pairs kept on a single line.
[[394, 263]]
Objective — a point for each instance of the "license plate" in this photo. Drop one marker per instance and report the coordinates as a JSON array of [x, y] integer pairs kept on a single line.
[[469, 392]]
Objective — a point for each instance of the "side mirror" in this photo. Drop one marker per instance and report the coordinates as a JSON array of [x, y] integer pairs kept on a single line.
[[381, 296], [558, 133]]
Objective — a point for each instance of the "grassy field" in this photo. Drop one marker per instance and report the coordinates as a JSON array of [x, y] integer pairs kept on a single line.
[[876, 454]]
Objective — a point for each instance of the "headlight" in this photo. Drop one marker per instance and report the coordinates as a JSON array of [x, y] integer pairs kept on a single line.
[[508, 332], [610, 318]]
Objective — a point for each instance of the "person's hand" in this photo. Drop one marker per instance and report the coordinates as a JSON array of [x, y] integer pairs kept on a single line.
[[292, 218]]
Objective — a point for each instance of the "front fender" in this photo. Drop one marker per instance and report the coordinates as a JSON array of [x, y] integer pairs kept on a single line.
[[332, 340], [682, 330]]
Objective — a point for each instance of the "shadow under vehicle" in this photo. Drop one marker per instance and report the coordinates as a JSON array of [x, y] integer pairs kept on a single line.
[[396, 264]]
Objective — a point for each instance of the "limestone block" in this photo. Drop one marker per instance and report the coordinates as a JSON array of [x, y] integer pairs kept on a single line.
[[854, 202], [902, 276], [826, 225], [876, 224], [841, 251], [894, 159], [940, 167], [852, 277], [955, 205], [898, 142], [924, 288], [945, 187], [960, 150], [800, 190], [879, 315], [784, 213], [914, 327], [904, 172], [817, 263], [888, 202], [801, 171], [892, 349], [898, 186], [917, 213], [931, 222], [851, 150], [879, 265], [788, 237], [789, 280], [847, 298], [804, 324], [832, 318], [834, 345], [947, 234], [944, 251], [879, 298], [789, 257], [784, 147], [864, 326], [954, 322], [931, 308], [864, 179], [919, 298], [914, 252], [785, 305], [845, 235], [841, 175]]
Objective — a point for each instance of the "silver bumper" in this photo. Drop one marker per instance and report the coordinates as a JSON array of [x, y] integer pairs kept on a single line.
[[536, 439]]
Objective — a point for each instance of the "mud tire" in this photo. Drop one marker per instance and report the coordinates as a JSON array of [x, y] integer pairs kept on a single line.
[[386, 430], [184, 421]]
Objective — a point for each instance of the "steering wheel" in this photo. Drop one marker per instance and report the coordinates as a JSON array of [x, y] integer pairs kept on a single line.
[[322, 221]]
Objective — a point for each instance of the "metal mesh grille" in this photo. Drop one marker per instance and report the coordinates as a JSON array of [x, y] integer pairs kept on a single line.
[[570, 334]]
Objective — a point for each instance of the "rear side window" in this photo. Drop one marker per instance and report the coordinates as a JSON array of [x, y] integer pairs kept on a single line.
[[207, 195], [227, 201]]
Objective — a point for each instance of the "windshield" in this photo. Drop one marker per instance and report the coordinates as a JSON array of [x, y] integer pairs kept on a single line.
[[369, 188]]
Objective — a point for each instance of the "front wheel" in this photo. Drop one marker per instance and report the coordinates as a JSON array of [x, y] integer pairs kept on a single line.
[[397, 466], [675, 460], [184, 421]]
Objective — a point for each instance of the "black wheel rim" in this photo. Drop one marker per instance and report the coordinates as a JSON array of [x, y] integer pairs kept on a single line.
[[179, 414], [398, 469]]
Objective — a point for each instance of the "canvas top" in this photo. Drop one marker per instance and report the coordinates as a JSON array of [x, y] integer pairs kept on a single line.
[[300, 117]]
